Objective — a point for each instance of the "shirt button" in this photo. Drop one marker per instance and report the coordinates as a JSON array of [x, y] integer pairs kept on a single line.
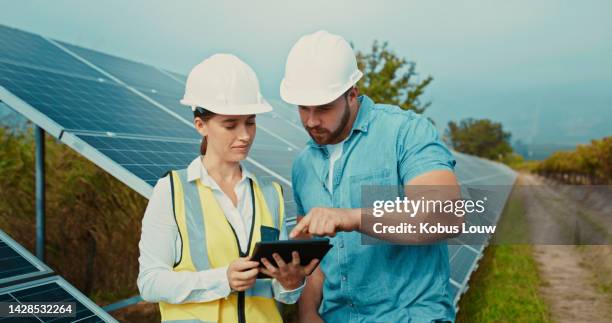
[[341, 244], [343, 278]]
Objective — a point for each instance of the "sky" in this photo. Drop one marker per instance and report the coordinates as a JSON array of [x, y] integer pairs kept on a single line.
[[542, 68]]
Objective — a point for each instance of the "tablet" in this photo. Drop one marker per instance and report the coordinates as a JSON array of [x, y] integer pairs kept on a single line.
[[309, 249]]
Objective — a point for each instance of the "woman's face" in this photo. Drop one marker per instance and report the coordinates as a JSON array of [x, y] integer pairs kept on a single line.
[[228, 137]]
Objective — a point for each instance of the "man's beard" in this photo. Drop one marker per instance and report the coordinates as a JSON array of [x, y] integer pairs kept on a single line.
[[334, 135]]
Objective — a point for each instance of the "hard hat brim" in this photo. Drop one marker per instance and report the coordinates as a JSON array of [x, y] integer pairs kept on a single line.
[[316, 97], [237, 110]]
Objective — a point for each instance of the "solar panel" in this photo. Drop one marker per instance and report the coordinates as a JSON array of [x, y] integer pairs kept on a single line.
[[53, 290], [125, 117], [478, 177], [18, 264]]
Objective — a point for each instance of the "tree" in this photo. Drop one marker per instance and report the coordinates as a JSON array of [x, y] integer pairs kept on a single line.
[[388, 79], [483, 138]]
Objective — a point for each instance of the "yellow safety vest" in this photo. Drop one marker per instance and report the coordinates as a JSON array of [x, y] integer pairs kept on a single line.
[[209, 241]]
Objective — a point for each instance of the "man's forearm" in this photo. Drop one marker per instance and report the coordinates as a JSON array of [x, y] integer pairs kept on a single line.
[[311, 298]]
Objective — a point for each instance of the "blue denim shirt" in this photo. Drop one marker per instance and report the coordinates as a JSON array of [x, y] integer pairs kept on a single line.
[[383, 282]]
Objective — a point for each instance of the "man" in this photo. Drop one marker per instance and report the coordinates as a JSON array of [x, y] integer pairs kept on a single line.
[[356, 142]]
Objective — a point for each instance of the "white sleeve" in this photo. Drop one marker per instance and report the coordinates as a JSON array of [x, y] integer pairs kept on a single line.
[[156, 280]]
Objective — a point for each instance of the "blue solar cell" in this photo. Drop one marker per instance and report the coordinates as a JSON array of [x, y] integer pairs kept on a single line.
[[462, 263], [172, 102], [146, 158]]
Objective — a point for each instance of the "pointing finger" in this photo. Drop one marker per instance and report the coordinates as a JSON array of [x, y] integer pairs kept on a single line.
[[300, 227]]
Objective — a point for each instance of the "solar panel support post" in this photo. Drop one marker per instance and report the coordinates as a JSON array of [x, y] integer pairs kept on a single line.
[[40, 192]]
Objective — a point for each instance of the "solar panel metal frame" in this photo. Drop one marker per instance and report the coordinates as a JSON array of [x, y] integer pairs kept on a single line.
[[43, 269], [75, 293]]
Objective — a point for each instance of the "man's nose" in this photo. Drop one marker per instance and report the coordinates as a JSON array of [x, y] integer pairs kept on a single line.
[[312, 120]]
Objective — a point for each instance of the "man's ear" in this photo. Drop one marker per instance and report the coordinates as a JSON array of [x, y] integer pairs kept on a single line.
[[353, 94]]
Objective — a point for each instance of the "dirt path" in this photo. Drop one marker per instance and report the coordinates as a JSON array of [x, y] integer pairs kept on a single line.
[[573, 276]]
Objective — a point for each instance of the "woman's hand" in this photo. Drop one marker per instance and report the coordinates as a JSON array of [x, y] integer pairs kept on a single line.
[[291, 275], [242, 273]]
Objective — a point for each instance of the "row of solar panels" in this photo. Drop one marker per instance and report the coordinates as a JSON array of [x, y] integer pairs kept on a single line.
[[479, 178], [24, 278], [125, 117]]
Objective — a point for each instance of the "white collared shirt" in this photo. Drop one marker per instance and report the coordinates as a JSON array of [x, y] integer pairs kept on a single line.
[[160, 245]]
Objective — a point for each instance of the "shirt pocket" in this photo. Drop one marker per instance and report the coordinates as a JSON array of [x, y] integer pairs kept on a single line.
[[374, 177], [378, 182]]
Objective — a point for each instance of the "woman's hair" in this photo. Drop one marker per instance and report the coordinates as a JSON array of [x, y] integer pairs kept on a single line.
[[204, 115]]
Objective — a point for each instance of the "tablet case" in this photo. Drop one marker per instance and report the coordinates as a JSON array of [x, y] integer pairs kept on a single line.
[[308, 249]]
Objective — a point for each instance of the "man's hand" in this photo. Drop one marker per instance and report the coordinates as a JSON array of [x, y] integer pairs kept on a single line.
[[327, 221], [242, 273], [290, 275]]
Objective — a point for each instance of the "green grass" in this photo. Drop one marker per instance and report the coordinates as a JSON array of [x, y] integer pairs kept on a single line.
[[505, 286]]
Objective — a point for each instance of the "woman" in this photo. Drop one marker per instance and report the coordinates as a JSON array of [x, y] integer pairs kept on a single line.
[[202, 222]]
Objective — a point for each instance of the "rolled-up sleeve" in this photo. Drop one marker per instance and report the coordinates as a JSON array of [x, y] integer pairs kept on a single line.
[[160, 248], [420, 150]]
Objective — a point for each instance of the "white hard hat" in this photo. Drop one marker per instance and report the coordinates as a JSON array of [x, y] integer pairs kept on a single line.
[[320, 67], [225, 85]]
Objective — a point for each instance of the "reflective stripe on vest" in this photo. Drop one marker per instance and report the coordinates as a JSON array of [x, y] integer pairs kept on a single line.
[[208, 241]]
